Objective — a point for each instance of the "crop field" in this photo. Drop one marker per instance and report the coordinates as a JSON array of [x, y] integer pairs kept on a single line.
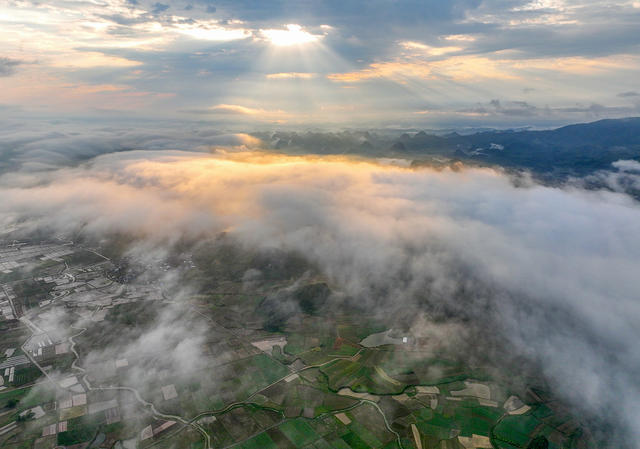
[[83, 258], [78, 430], [13, 335], [364, 373], [259, 442], [261, 380], [330, 432], [26, 375]]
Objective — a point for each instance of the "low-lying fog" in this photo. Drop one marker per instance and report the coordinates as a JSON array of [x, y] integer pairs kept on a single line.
[[554, 270]]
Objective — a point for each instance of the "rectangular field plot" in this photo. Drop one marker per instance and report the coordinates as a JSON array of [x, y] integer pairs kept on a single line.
[[299, 432], [516, 429], [262, 441]]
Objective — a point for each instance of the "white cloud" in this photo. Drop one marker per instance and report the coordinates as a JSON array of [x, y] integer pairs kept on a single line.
[[289, 75], [549, 270], [293, 35], [213, 32], [428, 49]]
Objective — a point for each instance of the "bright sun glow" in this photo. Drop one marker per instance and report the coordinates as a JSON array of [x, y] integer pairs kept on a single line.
[[293, 35]]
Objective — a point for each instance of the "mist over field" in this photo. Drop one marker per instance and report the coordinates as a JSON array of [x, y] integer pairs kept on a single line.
[[549, 272]]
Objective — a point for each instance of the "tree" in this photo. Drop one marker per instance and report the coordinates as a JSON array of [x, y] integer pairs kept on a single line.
[[26, 416], [539, 442]]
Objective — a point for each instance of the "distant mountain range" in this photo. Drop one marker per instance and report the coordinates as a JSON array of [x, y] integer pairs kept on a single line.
[[571, 150]]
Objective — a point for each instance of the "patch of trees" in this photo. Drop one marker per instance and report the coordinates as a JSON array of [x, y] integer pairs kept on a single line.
[[539, 442]]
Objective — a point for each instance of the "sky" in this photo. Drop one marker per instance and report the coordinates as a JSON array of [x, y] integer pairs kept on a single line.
[[322, 63]]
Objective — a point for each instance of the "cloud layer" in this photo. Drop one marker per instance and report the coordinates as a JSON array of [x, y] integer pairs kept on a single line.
[[552, 270]]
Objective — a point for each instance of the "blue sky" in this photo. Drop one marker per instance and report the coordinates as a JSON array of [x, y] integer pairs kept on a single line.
[[379, 63]]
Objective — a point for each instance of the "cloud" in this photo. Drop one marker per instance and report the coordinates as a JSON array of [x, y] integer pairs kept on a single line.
[[518, 108], [45, 145], [459, 37], [625, 178], [169, 343], [390, 70], [289, 75], [212, 32], [162, 343], [452, 55], [428, 49], [236, 109], [8, 66], [512, 108], [550, 271], [257, 114], [628, 94], [92, 59], [159, 8], [294, 34], [430, 62], [627, 166]]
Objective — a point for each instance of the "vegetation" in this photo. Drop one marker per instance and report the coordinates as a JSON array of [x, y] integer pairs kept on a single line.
[[25, 417], [78, 430], [539, 442], [278, 369]]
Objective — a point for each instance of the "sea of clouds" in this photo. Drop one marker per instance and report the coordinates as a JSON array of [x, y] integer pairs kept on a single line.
[[553, 271]]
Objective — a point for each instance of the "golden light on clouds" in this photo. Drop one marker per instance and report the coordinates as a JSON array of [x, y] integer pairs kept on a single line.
[[459, 37], [391, 70], [236, 109], [165, 195], [266, 115], [455, 68], [466, 67], [293, 65], [579, 65], [93, 59], [422, 61], [428, 49]]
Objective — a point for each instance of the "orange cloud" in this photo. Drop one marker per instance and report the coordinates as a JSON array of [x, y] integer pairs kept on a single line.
[[277, 116], [578, 65], [92, 59], [465, 67], [237, 109], [459, 37], [391, 70], [457, 68], [428, 49]]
